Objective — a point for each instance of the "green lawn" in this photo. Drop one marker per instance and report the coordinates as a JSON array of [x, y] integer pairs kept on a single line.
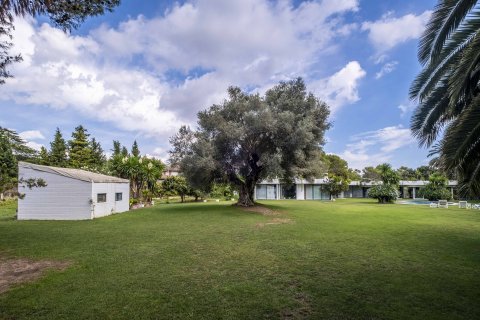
[[352, 259]]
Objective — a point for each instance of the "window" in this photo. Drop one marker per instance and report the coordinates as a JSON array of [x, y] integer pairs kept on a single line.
[[118, 196], [101, 197]]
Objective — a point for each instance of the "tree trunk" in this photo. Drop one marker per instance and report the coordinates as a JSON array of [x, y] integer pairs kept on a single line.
[[245, 198]]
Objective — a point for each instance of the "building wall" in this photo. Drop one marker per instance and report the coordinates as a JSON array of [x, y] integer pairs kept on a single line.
[[62, 199], [267, 192], [111, 205], [300, 192], [315, 189]]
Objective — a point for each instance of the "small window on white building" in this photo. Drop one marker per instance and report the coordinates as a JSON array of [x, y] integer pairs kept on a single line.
[[101, 197], [118, 196]]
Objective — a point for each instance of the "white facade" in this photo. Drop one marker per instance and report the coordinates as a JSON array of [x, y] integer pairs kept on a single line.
[[315, 189], [111, 205], [70, 194]]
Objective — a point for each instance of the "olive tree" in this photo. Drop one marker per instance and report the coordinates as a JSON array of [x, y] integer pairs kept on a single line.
[[250, 137]]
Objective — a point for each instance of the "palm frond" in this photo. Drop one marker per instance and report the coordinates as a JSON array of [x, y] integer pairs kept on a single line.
[[461, 143], [464, 78], [431, 116], [447, 16]]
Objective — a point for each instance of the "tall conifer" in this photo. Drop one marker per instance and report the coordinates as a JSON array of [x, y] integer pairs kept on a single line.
[[58, 150], [80, 152]]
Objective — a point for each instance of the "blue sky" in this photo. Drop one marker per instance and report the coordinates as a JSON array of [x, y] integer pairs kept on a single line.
[[149, 67]]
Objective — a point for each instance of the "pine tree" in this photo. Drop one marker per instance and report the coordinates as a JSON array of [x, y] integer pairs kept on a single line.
[[58, 150], [124, 152], [97, 157], [135, 150], [79, 148], [44, 157], [117, 148], [19, 147]]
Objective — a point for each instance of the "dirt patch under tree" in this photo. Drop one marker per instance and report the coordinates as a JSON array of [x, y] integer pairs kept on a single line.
[[262, 210], [274, 221]]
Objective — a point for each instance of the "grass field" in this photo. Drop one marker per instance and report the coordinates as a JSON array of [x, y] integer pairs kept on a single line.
[[352, 259]]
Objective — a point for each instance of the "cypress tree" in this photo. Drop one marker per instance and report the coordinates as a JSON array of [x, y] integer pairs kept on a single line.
[[44, 157], [58, 150], [135, 150], [117, 148], [97, 157], [79, 148]]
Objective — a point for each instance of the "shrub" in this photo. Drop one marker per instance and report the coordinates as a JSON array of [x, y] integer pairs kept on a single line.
[[434, 193], [384, 193], [221, 191]]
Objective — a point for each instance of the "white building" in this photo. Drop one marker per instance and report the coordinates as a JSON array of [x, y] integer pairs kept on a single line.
[[70, 194], [316, 190]]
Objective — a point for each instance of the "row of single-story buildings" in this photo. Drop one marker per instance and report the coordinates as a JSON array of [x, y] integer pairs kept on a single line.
[[316, 189], [74, 194]]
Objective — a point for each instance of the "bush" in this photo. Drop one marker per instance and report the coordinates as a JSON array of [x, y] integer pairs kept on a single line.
[[384, 193], [434, 193], [221, 191]]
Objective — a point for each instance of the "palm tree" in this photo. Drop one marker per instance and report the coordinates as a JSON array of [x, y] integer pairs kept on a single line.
[[447, 118]]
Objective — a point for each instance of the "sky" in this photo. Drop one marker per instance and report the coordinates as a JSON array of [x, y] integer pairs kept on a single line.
[[144, 70]]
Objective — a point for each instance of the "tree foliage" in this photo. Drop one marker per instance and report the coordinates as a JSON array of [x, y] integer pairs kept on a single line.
[[19, 147], [181, 145], [80, 152], [387, 174], [336, 184], [58, 150], [406, 173], [370, 174], [339, 175], [447, 90], [384, 193], [248, 138], [8, 166], [175, 185], [436, 189], [43, 156], [387, 192], [97, 156], [135, 149], [142, 172]]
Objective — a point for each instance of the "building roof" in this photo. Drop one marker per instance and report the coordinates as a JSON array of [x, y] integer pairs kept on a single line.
[[77, 174], [403, 183]]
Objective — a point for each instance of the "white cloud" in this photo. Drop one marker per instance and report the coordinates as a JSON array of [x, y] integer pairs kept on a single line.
[[342, 87], [159, 153], [122, 75], [34, 145], [390, 31], [406, 108], [375, 147], [386, 69], [31, 135]]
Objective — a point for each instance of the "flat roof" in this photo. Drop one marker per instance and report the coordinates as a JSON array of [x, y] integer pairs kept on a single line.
[[403, 183]]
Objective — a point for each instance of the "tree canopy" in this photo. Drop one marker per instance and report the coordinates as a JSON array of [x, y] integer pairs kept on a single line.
[[58, 150], [339, 175], [80, 151], [250, 137]]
